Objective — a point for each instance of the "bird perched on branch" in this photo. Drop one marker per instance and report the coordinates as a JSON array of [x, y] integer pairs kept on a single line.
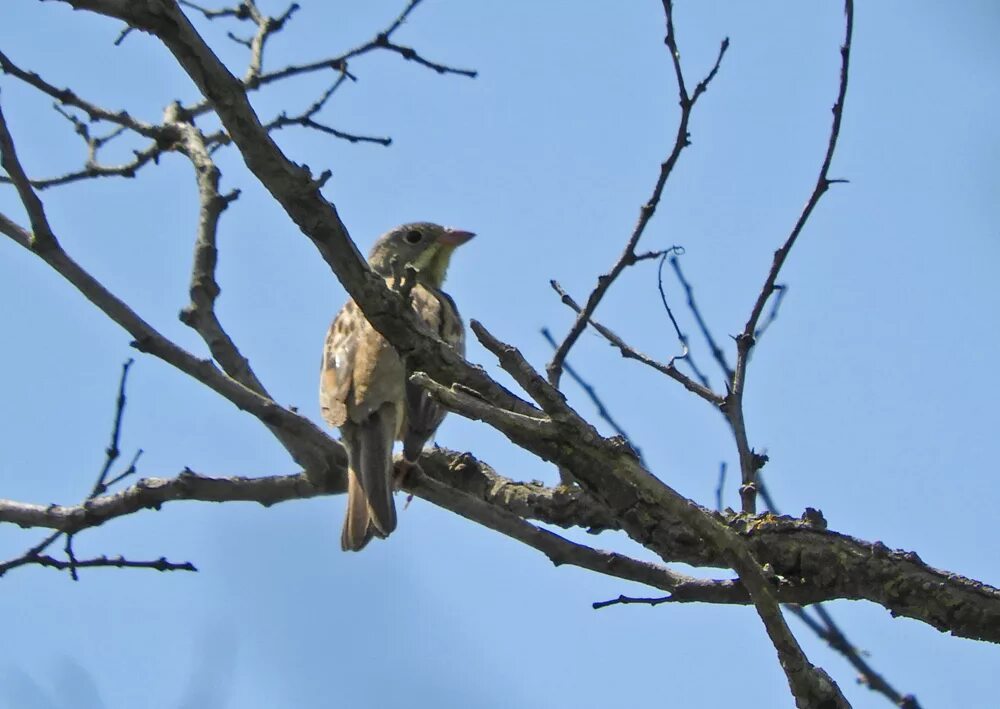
[[364, 388]]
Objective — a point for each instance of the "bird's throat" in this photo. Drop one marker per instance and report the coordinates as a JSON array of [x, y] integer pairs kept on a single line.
[[432, 266]]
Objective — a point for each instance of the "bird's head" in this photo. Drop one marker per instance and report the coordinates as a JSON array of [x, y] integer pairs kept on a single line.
[[425, 246]]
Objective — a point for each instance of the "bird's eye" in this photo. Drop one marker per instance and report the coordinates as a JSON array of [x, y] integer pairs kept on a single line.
[[413, 236]]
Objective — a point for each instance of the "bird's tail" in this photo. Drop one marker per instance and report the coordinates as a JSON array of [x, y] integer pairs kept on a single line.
[[370, 509]]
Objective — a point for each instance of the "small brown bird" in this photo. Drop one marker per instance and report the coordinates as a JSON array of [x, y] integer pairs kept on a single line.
[[363, 385]]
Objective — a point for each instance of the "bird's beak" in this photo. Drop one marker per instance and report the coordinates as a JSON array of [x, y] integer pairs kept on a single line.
[[454, 237]]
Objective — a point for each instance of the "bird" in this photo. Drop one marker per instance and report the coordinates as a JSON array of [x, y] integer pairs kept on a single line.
[[364, 389]]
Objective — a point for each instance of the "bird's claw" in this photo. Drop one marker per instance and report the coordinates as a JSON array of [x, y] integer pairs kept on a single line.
[[401, 469]]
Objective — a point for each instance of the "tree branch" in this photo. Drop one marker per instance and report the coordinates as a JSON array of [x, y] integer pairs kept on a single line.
[[629, 352], [628, 256], [591, 393], [312, 446], [750, 461], [808, 563], [68, 97]]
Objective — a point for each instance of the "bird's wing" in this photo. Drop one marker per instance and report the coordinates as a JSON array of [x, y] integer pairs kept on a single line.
[[337, 367], [362, 392], [377, 376], [423, 414], [360, 370]]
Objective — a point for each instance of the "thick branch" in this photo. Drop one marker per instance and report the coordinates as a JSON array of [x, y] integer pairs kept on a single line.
[[809, 564], [562, 551]]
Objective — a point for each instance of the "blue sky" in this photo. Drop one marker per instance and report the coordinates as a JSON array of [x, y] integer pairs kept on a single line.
[[873, 393]]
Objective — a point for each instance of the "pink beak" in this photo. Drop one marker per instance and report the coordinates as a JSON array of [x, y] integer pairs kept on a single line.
[[454, 237]]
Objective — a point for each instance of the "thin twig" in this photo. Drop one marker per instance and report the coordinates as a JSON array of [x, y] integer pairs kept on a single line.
[[118, 562], [750, 462], [92, 169], [628, 257], [781, 290], [717, 353], [306, 120], [594, 397], [410, 54], [70, 98], [682, 336], [629, 352], [720, 487], [238, 12], [828, 630], [31, 554], [310, 443], [129, 471], [113, 451], [255, 78], [72, 564], [339, 63], [630, 600]]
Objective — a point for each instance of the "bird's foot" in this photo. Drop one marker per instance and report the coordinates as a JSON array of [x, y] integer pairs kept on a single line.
[[402, 469]]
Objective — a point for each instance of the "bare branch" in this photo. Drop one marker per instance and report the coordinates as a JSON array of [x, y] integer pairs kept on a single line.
[[129, 471], [826, 629], [799, 553], [562, 551], [468, 403], [592, 394], [829, 631], [113, 451], [781, 290], [561, 506], [34, 556], [92, 169], [823, 183], [306, 120], [717, 353], [550, 399], [682, 140], [411, 54], [648, 510], [720, 487], [630, 353], [200, 314], [312, 446], [750, 462], [29, 556], [266, 26], [685, 355], [118, 562], [239, 12], [257, 79], [629, 600], [69, 98]]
